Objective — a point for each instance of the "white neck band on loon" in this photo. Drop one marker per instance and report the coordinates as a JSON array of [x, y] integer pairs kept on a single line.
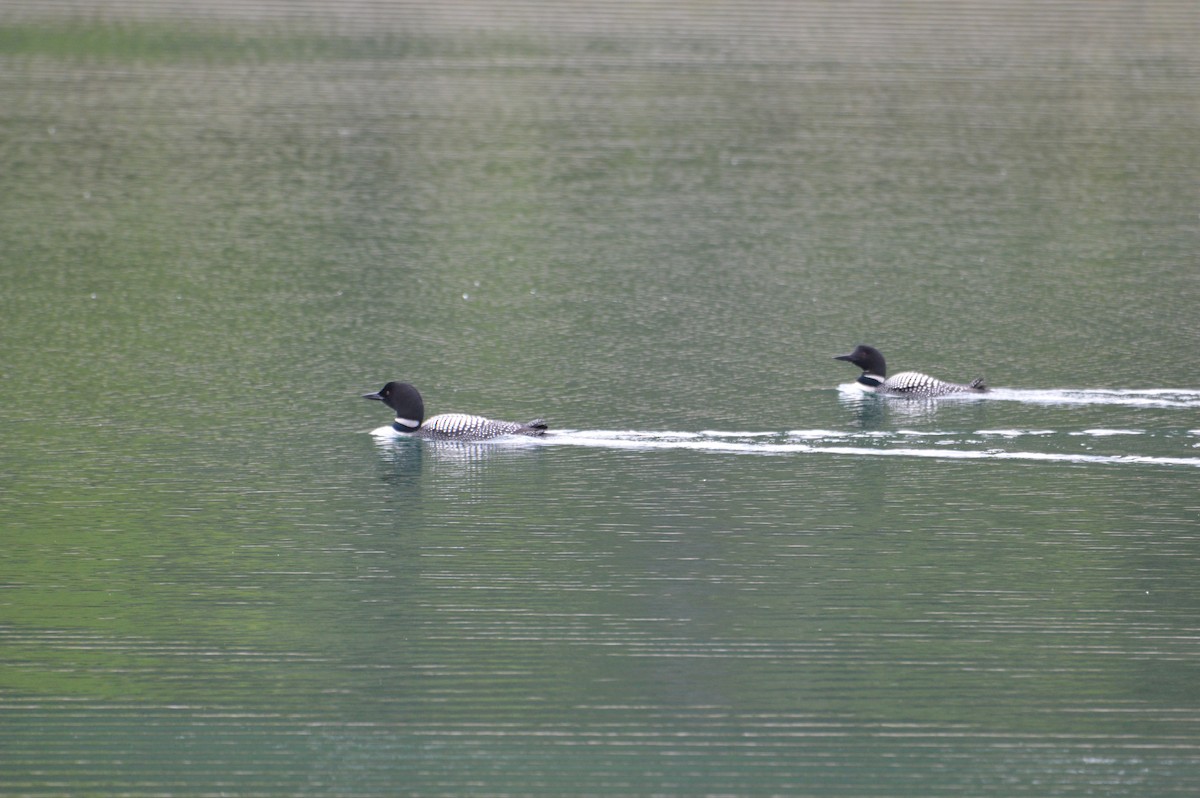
[[870, 380], [405, 425]]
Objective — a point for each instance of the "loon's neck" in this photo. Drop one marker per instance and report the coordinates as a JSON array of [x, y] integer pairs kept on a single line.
[[405, 425], [870, 380]]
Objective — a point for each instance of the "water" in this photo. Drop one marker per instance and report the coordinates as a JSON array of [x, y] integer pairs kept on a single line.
[[725, 571]]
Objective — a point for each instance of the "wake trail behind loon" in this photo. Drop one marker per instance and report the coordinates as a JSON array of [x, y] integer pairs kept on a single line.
[[1127, 397], [1034, 444], [819, 442]]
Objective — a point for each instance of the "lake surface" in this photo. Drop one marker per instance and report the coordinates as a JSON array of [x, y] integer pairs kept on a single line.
[[724, 572]]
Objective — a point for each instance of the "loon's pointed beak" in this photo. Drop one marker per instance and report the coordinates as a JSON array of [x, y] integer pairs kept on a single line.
[[844, 357], [375, 396]]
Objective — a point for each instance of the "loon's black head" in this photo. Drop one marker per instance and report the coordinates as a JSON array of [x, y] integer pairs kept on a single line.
[[867, 358], [405, 400]]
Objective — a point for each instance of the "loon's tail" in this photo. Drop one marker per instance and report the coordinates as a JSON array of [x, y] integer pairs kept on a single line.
[[536, 427], [977, 384]]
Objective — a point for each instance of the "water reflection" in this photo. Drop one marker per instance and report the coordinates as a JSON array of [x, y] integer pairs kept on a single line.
[[405, 459], [873, 412], [459, 466]]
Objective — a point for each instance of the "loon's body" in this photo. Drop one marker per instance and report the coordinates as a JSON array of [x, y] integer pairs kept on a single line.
[[411, 421], [874, 378]]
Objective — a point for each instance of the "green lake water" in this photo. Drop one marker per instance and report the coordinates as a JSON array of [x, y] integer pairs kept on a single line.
[[653, 224]]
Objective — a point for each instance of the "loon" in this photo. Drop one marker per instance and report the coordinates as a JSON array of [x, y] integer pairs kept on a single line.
[[907, 383], [410, 419]]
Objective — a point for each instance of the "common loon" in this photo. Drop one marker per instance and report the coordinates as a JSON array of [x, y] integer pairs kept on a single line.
[[410, 419], [907, 383]]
